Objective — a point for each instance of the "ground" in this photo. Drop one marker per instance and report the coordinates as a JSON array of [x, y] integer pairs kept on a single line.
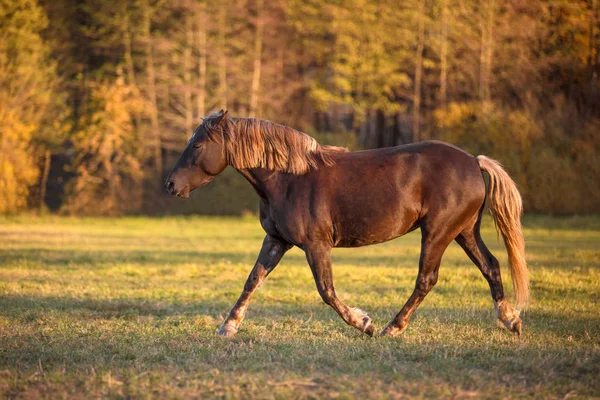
[[130, 308]]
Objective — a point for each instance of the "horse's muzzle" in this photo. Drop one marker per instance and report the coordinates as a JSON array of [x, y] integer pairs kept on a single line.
[[183, 193]]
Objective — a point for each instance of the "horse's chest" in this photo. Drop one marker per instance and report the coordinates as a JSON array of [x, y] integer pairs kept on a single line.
[[279, 224]]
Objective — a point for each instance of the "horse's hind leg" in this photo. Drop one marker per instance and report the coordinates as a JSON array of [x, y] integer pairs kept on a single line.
[[471, 242], [432, 249]]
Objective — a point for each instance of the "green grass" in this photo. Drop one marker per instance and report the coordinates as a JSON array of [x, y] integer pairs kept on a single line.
[[130, 307]]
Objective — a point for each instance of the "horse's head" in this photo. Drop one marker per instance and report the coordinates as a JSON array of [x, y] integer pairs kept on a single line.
[[203, 158]]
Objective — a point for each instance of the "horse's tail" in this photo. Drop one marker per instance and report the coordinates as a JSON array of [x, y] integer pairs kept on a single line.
[[506, 207]]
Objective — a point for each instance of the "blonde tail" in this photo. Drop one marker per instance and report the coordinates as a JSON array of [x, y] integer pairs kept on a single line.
[[506, 207]]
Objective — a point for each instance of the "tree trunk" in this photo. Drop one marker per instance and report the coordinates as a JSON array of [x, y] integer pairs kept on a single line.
[[151, 82], [380, 129], [187, 75], [129, 63], [416, 122], [128, 55], [370, 130], [202, 62], [487, 49], [45, 175], [222, 60], [258, 42], [592, 58], [444, 56], [597, 58], [396, 135]]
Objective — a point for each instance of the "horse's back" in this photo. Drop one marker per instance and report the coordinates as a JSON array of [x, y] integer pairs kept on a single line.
[[430, 159], [373, 196], [384, 193]]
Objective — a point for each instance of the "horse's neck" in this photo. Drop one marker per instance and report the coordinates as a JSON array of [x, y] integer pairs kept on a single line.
[[263, 181]]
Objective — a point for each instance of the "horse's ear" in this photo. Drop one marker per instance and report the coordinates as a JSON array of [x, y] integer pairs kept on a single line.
[[222, 117], [215, 134]]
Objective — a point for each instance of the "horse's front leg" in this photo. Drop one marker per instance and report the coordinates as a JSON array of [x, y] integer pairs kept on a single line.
[[270, 255], [319, 259]]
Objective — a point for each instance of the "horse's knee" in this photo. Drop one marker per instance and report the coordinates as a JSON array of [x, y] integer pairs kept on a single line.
[[426, 282]]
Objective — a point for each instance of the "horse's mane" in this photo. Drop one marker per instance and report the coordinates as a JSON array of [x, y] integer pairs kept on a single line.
[[256, 143]]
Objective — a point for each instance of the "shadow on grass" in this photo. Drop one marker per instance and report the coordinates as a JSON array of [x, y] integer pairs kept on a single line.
[[68, 259], [43, 258], [76, 257], [29, 308]]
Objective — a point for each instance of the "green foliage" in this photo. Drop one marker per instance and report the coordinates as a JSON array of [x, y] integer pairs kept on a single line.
[[364, 59]]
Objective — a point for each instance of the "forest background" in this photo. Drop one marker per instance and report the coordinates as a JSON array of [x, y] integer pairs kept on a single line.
[[98, 97]]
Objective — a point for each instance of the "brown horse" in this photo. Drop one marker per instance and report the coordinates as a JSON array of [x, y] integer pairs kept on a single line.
[[318, 197]]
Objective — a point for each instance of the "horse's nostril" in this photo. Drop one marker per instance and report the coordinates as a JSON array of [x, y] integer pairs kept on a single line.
[[170, 186]]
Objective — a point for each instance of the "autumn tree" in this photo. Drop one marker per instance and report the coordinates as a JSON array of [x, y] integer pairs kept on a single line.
[[27, 83], [515, 80], [108, 166]]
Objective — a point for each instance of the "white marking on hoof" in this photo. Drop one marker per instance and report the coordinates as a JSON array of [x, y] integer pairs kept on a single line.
[[505, 310], [508, 317], [361, 313], [365, 322], [227, 330], [391, 330]]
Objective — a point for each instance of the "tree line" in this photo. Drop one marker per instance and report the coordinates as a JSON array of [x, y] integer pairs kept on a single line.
[[97, 97]]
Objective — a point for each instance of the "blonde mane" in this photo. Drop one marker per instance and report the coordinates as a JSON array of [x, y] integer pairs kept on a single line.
[[256, 143]]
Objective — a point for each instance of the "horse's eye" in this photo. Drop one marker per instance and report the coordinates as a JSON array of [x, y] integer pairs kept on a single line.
[[197, 145]]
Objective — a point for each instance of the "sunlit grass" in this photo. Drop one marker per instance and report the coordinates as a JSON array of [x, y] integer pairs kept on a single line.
[[130, 307]]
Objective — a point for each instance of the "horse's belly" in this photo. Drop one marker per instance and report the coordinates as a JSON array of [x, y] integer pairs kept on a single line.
[[364, 240], [364, 231]]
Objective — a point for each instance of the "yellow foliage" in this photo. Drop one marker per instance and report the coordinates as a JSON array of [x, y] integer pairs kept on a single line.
[[483, 128], [17, 165], [553, 171], [108, 167], [26, 78]]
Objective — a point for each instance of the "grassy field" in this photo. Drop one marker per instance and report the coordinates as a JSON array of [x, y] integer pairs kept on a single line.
[[130, 307]]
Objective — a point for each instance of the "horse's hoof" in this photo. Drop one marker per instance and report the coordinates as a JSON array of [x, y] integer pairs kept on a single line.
[[227, 330], [369, 328], [514, 325], [390, 331]]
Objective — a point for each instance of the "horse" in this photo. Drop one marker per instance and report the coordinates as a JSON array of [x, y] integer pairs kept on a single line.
[[318, 197]]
